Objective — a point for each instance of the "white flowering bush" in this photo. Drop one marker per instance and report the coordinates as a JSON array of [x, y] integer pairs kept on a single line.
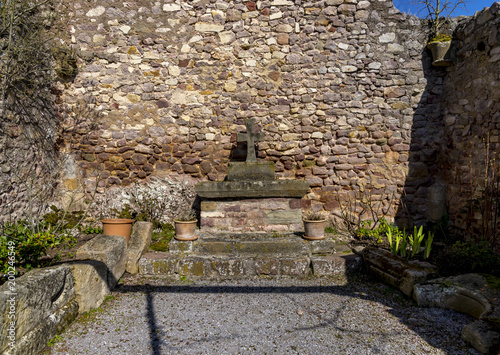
[[157, 200]]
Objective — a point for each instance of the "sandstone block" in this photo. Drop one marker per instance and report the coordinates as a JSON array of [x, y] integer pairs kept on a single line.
[[158, 264], [267, 266], [139, 242], [109, 249], [91, 286], [43, 306], [336, 264], [295, 266]]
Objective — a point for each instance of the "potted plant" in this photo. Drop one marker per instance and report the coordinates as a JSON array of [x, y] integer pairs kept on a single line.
[[314, 225], [116, 222], [117, 226], [439, 11], [185, 225]]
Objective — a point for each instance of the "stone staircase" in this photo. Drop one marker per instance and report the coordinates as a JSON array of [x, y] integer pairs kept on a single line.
[[226, 255]]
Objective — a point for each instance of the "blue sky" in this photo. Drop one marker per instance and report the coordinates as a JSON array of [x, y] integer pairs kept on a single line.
[[472, 7]]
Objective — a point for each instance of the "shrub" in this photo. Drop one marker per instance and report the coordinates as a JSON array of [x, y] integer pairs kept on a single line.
[[469, 256]]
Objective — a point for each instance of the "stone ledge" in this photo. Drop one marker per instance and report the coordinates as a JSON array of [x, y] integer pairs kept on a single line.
[[252, 189]]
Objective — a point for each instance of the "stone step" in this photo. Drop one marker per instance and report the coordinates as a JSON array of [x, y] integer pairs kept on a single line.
[[216, 267], [258, 245]]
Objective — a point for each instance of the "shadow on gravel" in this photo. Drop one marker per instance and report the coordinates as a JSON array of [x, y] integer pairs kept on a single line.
[[424, 322]]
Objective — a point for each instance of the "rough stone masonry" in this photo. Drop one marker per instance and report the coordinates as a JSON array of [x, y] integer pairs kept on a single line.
[[343, 90]]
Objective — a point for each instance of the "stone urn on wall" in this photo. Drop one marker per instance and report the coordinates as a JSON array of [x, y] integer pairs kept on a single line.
[[314, 226], [440, 48]]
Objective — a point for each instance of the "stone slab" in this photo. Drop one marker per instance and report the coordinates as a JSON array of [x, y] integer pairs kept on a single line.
[[336, 264], [44, 305], [109, 249], [253, 171], [279, 246], [251, 189], [140, 239], [91, 285], [324, 246]]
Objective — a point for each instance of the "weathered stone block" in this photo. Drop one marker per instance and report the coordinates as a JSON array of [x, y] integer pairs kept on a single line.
[[158, 264], [111, 250], [396, 271], [257, 171], [139, 242], [43, 306], [192, 266], [91, 286], [267, 266], [229, 268], [336, 264], [295, 266], [482, 337]]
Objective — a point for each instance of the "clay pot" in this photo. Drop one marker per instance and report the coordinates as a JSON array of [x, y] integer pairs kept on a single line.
[[117, 226], [314, 230], [184, 230]]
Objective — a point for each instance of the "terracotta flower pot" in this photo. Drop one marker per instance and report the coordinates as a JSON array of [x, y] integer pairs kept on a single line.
[[117, 226], [314, 230], [184, 230]]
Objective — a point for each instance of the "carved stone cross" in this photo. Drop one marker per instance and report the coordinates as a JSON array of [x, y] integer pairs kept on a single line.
[[250, 137]]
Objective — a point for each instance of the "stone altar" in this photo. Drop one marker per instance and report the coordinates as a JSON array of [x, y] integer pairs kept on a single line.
[[251, 199]]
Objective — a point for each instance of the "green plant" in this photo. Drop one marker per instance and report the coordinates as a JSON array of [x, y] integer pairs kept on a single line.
[[91, 229], [415, 240], [468, 256], [440, 38], [331, 230], [161, 238], [186, 215], [311, 215], [428, 245], [54, 340]]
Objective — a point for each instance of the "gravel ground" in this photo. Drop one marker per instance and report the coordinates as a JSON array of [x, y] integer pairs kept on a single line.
[[285, 316]]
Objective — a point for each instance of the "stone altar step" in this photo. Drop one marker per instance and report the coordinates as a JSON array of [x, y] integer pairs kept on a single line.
[[228, 256]]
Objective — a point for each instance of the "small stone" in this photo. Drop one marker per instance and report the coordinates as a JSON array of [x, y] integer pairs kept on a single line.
[[387, 37], [171, 7], [96, 12], [208, 27]]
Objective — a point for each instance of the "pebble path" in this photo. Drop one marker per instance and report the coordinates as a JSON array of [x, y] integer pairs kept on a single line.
[[343, 315]]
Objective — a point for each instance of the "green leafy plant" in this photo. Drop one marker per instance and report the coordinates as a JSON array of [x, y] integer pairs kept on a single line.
[[331, 230], [415, 240], [428, 245], [161, 237], [468, 256], [91, 229], [358, 208]]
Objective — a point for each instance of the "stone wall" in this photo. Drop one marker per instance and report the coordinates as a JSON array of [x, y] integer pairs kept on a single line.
[[471, 111], [344, 93], [334, 86]]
